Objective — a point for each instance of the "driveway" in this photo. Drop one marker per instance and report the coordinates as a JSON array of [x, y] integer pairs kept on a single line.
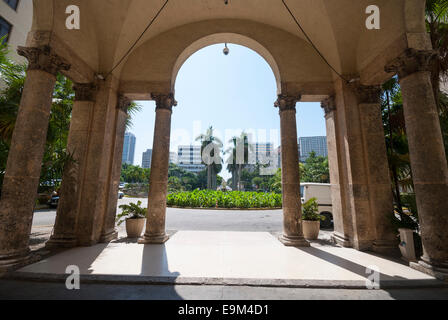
[[198, 219]]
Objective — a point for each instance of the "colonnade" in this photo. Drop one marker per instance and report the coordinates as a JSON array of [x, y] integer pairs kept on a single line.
[[361, 187]]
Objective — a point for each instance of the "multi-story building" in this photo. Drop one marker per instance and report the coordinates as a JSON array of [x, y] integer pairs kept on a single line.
[[128, 148], [146, 159], [261, 153], [173, 157], [189, 158], [16, 17], [310, 144], [147, 156]]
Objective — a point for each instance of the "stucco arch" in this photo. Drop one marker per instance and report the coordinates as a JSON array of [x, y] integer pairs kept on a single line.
[[229, 38], [152, 67]]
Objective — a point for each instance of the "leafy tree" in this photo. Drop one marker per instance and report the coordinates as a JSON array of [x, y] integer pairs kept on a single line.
[[436, 22], [134, 174], [315, 169], [214, 168], [236, 165], [55, 156]]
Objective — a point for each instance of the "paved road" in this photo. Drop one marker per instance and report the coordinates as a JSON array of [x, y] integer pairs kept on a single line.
[[210, 220], [40, 290]]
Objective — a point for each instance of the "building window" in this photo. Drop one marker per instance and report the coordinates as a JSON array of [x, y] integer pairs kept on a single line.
[[5, 29], [12, 3]]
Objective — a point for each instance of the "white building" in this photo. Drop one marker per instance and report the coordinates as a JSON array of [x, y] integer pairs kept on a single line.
[[189, 158], [16, 17]]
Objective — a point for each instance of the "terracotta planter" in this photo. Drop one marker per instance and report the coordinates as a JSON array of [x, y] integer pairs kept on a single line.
[[134, 227], [311, 229]]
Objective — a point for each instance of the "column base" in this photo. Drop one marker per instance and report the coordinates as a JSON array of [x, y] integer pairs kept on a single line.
[[12, 261], [440, 273], [362, 245], [109, 236], [295, 241], [341, 240], [386, 247], [61, 242], [154, 239]]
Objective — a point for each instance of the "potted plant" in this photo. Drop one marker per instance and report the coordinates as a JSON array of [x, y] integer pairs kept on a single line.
[[134, 215], [311, 219]]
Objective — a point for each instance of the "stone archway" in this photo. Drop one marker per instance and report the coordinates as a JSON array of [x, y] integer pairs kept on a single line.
[[227, 38]]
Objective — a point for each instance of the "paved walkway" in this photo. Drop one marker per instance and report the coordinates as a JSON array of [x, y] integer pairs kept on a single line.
[[210, 257]]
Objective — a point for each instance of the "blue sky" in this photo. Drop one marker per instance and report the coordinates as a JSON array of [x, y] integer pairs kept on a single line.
[[230, 93]]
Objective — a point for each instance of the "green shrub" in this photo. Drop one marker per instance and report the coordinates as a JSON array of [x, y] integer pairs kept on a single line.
[[131, 211], [311, 211], [229, 199]]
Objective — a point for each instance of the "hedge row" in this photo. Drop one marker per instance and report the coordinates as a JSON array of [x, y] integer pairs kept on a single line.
[[229, 199]]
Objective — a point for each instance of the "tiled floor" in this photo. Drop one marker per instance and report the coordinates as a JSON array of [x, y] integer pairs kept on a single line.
[[253, 255]]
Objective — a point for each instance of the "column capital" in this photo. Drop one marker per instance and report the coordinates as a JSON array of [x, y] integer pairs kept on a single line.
[[123, 103], [366, 94], [329, 105], [164, 101], [85, 91], [286, 102], [411, 61], [43, 58]]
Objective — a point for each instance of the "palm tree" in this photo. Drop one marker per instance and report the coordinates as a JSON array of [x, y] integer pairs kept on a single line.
[[437, 25], [213, 168], [234, 164]]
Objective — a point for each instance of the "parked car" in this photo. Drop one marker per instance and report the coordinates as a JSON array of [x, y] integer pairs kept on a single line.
[[322, 192], [54, 200]]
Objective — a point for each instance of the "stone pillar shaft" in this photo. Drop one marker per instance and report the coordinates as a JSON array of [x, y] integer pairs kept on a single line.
[[292, 208], [68, 207], [109, 232], [158, 181], [427, 154], [343, 228], [377, 170], [21, 180], [95, 182]]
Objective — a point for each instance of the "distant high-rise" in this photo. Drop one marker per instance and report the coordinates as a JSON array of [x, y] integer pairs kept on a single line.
[[146, 159], [309, 144], [261, 153], [189, 158], [128, 148]]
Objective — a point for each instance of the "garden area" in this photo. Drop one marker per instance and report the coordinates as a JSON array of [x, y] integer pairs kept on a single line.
[[227, 199]]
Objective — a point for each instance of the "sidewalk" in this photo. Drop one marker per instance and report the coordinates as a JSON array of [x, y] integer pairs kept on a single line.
[[227, 258]]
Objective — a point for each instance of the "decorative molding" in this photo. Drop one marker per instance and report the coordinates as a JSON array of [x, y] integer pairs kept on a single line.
[[329, 105], [285, 102], [123, 103], [42, 58], [85, 91], [411, 61], [366, 94], [164, 101]]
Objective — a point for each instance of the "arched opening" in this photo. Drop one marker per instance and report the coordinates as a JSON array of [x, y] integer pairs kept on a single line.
[[227, 38]]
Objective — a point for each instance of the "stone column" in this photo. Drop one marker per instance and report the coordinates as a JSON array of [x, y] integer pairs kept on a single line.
[[21, 180], [343, 228], [377, 169], [428, 160], [67, 213], [109, 232], [158, 181], [352, 168], [96, 177], [292, 206]]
